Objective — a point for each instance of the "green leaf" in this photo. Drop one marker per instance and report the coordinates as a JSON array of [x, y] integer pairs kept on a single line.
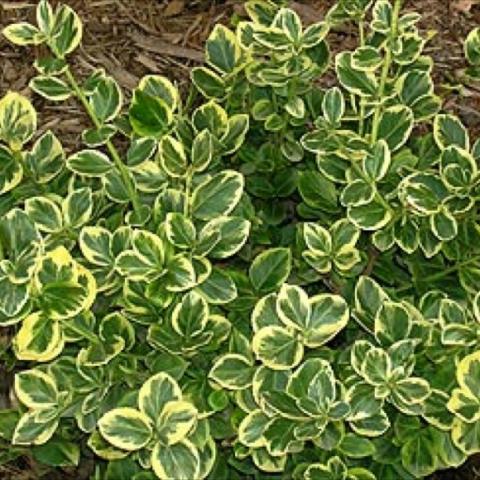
[[11, 171], [443, 225], [315, 34], [172, 156], [45, 213], [296, 107], [162, 88], [23, 33], [50, 65], [329, 316], [95, 244], [376, 366], [464, 405], [419, 456], [202, 151], [8, 420], [217, 195], [357, 193], [395, 126], [231, 234], [233, 372], [66, 32], [106, 100], [77, 207], [393, 322], [190, 317], [70, 290], [212, 117], [424, 192], [180, 274], [13, 298], [355, 446], [277, 348], [272, 38], [222, 50], [377, 163], [372, 426], [208, 83], [413, 86], [366, 59], [318, 239], [179, 230], [176, 421], [448, 130], [412, 390], [126, 428], [36, 389], [45, 16], [458, 167], [270, 269], [362, 401], [90, 163], [18, 120], [370, 217], [40, 338], [46, 159], [157, 392], [237, 128], [57, 453], [218, 288], [149, 115], [466, 436], [333, 106], [355, 81], [51, 88], [96, 137], [176, 462], [30, 430], [468, 374], [252, 428], [289, 21], [472, 47], [140, 150], [293, 307]]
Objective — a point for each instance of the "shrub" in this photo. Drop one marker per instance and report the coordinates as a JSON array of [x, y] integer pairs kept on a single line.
[[280, 281]]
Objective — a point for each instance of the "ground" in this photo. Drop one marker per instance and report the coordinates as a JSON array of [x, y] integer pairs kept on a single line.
[[131, 38]]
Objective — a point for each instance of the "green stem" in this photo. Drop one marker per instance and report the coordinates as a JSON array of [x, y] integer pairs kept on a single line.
[[387, 63], [444, 273], [188, 188], [127, 180], [361, 126]]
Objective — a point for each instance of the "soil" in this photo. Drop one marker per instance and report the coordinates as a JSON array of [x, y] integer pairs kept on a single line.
[[132, 38]]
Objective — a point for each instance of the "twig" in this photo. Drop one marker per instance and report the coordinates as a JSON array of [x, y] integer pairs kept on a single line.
[[157, 45]]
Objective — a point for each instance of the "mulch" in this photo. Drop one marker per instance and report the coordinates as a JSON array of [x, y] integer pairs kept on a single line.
[[132, 38]]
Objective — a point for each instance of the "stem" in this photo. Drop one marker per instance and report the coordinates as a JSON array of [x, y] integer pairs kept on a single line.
[[442, 274], [387, 62], [361, 126], [188, 187], [111, 148]]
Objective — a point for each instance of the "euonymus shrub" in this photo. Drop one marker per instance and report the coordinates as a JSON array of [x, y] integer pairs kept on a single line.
[[271, 280]]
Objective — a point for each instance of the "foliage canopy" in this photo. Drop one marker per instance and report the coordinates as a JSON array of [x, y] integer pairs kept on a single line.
[[272, 280]]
